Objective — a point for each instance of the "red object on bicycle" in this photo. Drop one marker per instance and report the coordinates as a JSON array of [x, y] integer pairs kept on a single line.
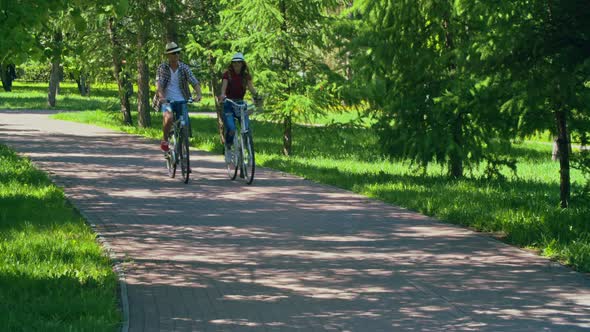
[[164, 146]]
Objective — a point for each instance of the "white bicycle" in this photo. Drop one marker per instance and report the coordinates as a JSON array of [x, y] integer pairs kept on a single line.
[[243, 148]]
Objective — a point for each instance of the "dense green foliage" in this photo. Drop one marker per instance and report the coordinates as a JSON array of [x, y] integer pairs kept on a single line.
[[454, 82], [53, 274], [285, 42]]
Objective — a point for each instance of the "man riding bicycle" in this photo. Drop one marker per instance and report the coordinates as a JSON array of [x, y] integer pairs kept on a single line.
[[236, 79], [172, 80]]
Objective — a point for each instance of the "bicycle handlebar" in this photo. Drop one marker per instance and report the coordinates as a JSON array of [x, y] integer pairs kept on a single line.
[[234, 102], [250, 108], [189, 101]]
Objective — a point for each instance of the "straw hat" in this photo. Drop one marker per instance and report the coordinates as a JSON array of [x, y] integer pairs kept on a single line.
[[172, 48]]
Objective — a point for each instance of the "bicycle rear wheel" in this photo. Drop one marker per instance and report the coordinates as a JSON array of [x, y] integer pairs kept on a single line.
[[183, 153], [248, 162], [232, 165]]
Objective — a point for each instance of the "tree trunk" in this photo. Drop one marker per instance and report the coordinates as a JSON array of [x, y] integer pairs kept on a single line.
[[168, 11], [563, 143], [55, 71], [215, 86], [143, 79], [121, 76], [455, 156], [287, 135], [555, 150], [7, 74], [143, 94], [82, 84], [288, 120]]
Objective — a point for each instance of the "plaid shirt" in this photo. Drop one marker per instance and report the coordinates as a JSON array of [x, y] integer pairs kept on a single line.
[[163, 78]]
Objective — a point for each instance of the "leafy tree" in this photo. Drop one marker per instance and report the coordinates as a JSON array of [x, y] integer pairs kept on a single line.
[[120, 71], [19, 23], [414, 63], [542, 51], [207, 45], [54, 49], [142, 17], [117, 22], [283, 42]]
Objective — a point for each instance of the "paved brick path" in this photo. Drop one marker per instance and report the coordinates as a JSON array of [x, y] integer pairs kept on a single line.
[[287, 254]]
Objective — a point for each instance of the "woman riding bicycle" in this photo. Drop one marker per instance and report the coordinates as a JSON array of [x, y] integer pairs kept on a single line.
[[236, 79]]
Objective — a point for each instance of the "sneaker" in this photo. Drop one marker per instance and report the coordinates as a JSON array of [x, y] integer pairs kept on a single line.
[[229, 156], [164, 146]]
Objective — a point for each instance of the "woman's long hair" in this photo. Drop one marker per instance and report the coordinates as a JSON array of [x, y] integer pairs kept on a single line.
[[244, 73]]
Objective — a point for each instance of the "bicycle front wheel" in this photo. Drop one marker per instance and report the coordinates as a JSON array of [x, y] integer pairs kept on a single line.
[[171, 157], [231, 164], [248, 161], [183, 153]]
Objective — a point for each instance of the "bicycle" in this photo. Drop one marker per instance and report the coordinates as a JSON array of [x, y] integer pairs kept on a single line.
[[178, 152], [243, 147]]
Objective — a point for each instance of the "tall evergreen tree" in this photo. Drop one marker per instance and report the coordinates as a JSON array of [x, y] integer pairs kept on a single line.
[[542, 50], [414, 62], [283, 41], [207, 44], [20, 25], [142, 19]]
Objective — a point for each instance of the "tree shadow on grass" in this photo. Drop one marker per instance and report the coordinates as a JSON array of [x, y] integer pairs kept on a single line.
[[96, 91], [63, 103]]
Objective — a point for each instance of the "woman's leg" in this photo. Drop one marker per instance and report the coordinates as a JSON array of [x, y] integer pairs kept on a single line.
[[230, 125]]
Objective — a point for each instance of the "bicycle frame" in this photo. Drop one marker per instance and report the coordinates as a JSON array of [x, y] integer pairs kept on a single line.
[[246, 167], [179, 137], [242, 108]]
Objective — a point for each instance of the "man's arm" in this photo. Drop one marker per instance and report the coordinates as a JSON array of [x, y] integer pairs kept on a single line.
[[159, 88], [194, 82]]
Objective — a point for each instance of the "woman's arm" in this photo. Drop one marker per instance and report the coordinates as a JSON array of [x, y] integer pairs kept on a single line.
[[223, 89], [251, 88]]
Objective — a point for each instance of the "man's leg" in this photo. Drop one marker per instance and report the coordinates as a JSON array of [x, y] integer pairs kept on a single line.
[[167, 119]]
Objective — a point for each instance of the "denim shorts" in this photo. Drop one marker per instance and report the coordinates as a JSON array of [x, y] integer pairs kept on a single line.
[[178, 109]]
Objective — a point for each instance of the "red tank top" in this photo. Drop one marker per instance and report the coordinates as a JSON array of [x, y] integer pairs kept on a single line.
[[235, 87]]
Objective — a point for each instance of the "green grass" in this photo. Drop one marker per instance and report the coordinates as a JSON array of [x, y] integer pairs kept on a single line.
[[54, 276], [33, 96]]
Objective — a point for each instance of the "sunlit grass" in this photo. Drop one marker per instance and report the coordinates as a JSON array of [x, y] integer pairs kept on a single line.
[[54, 276], [103, 96]]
